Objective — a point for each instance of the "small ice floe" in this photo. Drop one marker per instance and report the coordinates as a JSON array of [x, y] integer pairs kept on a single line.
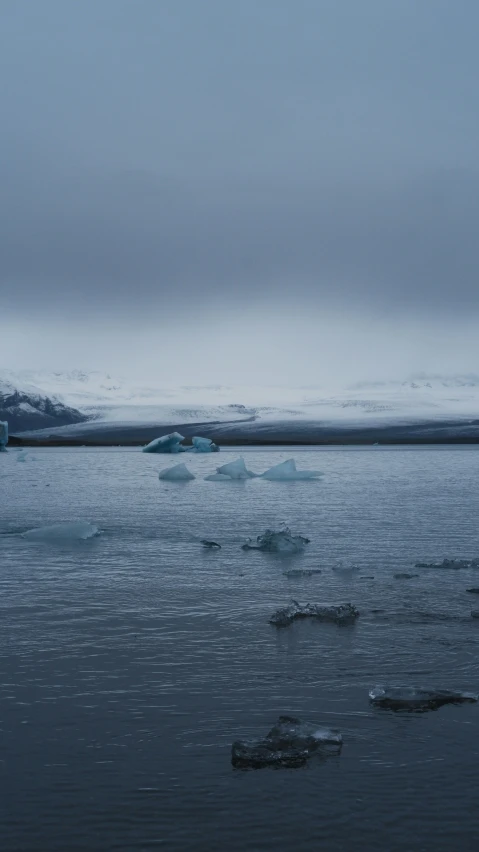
[[287, 472], [302, 572], [22, 456], [417, 698], [213, 545], [455, 564], [177, 473], [236, 470], [70, 532], [281, 541], [404, 575], [290, 743], [338, 613], [473, 591], [475, 613], [345, 570]]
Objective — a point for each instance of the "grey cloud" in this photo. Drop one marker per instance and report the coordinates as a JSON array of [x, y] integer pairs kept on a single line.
[[135, 240], [216, 153]]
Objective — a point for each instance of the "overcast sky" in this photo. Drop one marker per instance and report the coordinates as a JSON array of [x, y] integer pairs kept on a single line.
[[186, 178]]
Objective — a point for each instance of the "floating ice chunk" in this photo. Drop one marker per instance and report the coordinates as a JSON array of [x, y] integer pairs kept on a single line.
[[287, 471], [404, 575], [455, 564], [22, 456], [289, 743], [166, 444], [339, 614], [302, 572], [236, 470], [346, 570], [211, 544], [417, 698], [473, 591], [475, 613], [204, 445], [77, 531], [278, 542], [3, 435], [177, 473], [218, 477]]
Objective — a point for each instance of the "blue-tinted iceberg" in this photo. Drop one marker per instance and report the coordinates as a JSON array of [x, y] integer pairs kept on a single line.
[[289, 743], [177, 473], [203, 445], [417, 698], [63, 533], [236, 470], [3, 435], [286, 471], [166, 444], [218, 477], [281, 541], [22, 456]]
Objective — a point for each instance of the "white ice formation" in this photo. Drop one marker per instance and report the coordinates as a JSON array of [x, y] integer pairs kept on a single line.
[[236, 470], [218, 477], [203, 445], [286, 471], [61, 533], [166, 444], [172, 444], [177, 473]]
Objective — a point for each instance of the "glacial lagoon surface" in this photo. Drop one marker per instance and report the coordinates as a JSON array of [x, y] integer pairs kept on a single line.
[[132, 660]]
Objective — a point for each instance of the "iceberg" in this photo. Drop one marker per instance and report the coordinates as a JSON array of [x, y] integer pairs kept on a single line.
[[166, 444], [286, 471], [289, 743], [218, 477], [76, 531], [236, 470], [22, 456], [417, 698], [203, 445], [473, 591], [211, 544], [278, 542], [177, 473], [3, 435], [339, 614]]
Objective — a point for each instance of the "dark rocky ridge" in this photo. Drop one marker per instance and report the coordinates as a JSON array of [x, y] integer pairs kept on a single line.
[[25, 411]]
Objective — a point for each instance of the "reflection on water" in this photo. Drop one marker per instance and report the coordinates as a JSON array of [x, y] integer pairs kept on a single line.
[[129, 663]]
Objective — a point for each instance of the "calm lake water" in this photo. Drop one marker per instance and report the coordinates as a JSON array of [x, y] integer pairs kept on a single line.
[[129, 663]]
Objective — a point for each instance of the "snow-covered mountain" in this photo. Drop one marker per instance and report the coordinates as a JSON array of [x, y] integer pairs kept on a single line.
[[26, 406], [94, 401]]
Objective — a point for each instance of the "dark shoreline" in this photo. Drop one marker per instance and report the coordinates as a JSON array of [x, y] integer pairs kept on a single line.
[[256, 433]]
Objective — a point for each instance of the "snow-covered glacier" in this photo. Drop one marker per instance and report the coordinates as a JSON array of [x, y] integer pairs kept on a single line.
[[123, 411]]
